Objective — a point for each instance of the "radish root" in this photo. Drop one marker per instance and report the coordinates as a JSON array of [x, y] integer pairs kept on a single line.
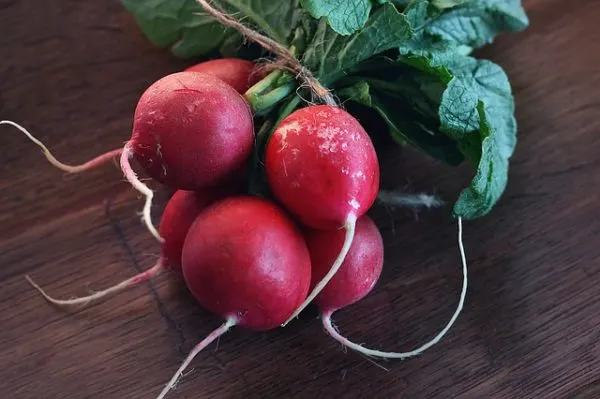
[[96, 296], [230, 322], [331, 330], [350, 227], [131, 176], [393, 198], [91, 164]]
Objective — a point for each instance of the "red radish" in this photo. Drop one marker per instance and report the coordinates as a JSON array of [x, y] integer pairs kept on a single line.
[[190, 131], [245, 260], [179, 214], [322, 166], [357, 277], [239, 74], [359, 271]]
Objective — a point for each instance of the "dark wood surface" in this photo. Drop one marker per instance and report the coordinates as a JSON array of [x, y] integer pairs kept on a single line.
[[72, 71]]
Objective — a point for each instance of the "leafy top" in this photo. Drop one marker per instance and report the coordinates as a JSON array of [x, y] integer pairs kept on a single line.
[[404, 62]]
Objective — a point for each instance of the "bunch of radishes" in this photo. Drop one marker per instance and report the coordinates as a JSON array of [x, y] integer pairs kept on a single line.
[[255, 261]]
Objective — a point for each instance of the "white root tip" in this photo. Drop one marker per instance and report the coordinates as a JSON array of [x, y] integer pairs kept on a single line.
[[97, 296], [350, 227], [328, 325], [62, 166], [132, 178], [397, 199], [230, 322]]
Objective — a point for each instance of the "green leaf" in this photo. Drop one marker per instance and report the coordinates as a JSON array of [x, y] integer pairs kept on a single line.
[[330, 55], [181, 24], [345, 17], [442, 4], [471, 25], [405, 124], [476, 89], [479, 22], [416, 12], [491, 178], [474, 81]]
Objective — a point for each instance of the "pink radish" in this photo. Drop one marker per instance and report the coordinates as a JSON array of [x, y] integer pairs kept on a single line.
[[239, 74], [179, 214], [245, 260], [190, 131], [358, 275], [322, 166], [359, 271]]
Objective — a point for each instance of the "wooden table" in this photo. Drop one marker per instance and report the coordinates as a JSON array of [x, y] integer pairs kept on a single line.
[[72, 72]]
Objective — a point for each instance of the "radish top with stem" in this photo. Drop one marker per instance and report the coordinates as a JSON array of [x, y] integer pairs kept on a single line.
[[327, 323], [322, 166]]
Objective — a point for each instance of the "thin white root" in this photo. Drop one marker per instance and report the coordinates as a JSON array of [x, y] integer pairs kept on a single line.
[[230, 322], [394, 198], [56, 163], [350, 227], [96, 296], [327, 323], [131, 176]]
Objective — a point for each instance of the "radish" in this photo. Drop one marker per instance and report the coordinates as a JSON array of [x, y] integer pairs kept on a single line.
[[356, 278], [245, 260], [322, 166], [190, 131], [359, 271], [179, 214], [239, 74]]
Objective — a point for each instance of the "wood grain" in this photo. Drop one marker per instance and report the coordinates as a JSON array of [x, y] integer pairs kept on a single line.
[[72, 71]]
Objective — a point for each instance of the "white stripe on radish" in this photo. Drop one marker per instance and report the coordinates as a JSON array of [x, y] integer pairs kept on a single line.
[[327, 323], [350, 227]]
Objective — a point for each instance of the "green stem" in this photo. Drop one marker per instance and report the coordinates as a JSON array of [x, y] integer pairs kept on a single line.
[[263, 85], [266, 126], [263, 103], [288, 109], [271, 89]]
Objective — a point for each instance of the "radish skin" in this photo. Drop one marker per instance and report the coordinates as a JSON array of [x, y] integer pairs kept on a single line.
[[179, 214], [239, 74], [245, 258], [360, 270], [327, 323], [322, 166]]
